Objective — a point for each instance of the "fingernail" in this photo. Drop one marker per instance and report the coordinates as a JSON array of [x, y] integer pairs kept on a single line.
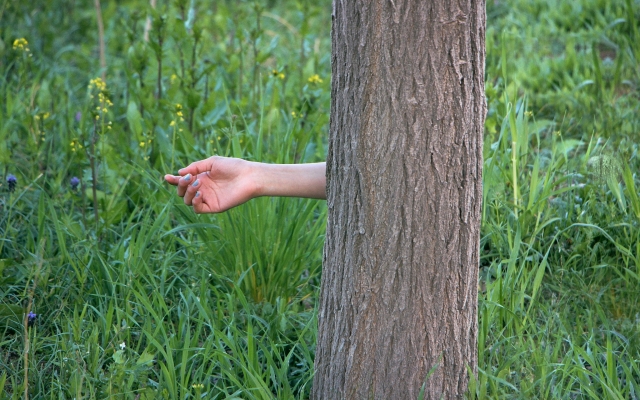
[[197, 194], [187, 177], [196, 183]]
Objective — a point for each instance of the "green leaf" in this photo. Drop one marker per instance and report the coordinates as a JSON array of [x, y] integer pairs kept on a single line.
[[118, 357], [9, 310], [627, 176], [134, 118], [11, 317], [44, 98], [145, 358], [193, 99]]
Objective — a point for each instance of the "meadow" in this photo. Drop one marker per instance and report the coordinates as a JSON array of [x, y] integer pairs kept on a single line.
[[110, 287]]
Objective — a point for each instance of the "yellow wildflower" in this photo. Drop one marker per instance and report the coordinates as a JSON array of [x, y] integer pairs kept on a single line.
[[315, 79], [179, 113], [75, 145], [98, 83], [21, 44]]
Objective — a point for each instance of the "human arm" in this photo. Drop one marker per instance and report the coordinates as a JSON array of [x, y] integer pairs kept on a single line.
[[217, 184]]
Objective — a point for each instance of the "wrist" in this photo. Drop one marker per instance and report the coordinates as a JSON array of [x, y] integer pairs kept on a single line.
[[254, 174]]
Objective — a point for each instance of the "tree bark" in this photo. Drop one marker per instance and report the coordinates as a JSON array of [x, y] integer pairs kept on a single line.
[[404, 185]]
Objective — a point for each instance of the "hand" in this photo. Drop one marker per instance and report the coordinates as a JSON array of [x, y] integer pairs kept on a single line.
[[215, 184]]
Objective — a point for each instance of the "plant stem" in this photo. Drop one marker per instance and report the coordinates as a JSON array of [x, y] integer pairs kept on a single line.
[[514, 174], [160, 69], [258, 10], [147, 25], [103, 58], [173, 148], [26, 352], [25, 321], [240, 71], [84, 203], [181, 53], [140, 97], [301, 67], [94, 176], [159, 26]]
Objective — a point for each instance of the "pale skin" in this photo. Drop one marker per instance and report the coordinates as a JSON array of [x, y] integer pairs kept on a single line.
[[217, 184]]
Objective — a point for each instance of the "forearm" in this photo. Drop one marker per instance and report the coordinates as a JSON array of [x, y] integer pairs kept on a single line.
[[290, 180]]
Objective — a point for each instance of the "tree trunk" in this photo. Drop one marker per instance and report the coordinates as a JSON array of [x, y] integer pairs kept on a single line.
[[404, 172]]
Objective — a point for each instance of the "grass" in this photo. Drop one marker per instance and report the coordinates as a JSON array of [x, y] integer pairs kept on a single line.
[[137, 297]]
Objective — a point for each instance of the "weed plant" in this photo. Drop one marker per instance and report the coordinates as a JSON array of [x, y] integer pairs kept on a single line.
[[110, 287]]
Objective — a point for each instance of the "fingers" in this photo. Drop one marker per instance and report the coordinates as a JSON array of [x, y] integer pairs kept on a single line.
[[197, 167], [199, 205], [172, 179], [183, 184], [189, 184], [190, 191]]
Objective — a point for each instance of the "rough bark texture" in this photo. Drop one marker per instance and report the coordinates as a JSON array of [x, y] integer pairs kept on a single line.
[[399, 283]]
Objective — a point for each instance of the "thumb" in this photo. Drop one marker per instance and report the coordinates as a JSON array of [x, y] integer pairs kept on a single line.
[[197, 167]]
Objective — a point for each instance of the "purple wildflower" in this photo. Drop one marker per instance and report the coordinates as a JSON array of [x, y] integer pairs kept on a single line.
[[31, 318], [74, 183], [12, 181], [78, 116]]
